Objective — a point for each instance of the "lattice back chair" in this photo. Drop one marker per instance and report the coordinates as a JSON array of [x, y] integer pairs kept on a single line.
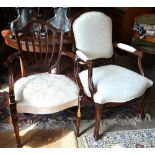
[[39, 90], [106, 85]]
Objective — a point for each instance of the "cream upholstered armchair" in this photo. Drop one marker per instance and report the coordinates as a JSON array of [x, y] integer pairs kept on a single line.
[[40, 89], [108, 84]]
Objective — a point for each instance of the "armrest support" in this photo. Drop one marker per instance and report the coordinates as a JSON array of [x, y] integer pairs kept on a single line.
[[9, 61], [92, 88], [89, 65], [76, 75], [131, 50]]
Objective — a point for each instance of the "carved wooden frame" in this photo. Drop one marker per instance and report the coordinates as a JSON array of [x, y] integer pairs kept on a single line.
[[89, 65], [32, 48]]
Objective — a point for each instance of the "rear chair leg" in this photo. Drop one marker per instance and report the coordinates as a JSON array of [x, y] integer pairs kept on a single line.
[[97, 121], [143, 103]]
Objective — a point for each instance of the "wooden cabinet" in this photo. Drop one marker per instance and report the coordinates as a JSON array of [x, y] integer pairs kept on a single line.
[[123, 20]]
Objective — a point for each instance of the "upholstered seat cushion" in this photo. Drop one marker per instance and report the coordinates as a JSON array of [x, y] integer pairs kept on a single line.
[[115, 84], [45, 93]]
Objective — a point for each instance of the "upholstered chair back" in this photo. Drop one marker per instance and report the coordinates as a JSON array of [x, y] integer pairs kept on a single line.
[[93, 35]]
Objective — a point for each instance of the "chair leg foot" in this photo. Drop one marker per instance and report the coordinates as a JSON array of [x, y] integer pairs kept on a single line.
[[142, 115], [143, 103], [97, 137], [19, 145]]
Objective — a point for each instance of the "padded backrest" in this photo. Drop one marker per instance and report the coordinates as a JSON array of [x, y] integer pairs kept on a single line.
[[93, 34]]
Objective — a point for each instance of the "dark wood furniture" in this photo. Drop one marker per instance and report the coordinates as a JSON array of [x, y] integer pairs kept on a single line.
[[92, 81], [147, 19], [123, 20], [39, 52]]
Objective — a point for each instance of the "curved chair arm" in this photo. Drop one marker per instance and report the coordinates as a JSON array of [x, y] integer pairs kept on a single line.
[[131, 50]]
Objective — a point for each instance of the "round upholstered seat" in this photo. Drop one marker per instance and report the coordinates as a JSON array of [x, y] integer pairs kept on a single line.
[[45, 93], [115, 84]]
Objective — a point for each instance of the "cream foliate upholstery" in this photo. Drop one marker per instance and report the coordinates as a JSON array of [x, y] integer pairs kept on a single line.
[[115, 84], [91, 39], [44, 91]]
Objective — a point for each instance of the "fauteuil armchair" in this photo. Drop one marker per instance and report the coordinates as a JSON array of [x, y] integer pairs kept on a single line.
[[41, 89], [107, 85]]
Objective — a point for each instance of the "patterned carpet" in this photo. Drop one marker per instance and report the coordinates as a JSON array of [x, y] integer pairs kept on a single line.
[[144, 138]]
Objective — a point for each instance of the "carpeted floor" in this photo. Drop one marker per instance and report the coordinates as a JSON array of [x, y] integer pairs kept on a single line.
[[144, 138]]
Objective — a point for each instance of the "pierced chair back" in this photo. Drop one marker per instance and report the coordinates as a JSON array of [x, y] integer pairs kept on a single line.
[[39, 90], [40, 46]]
